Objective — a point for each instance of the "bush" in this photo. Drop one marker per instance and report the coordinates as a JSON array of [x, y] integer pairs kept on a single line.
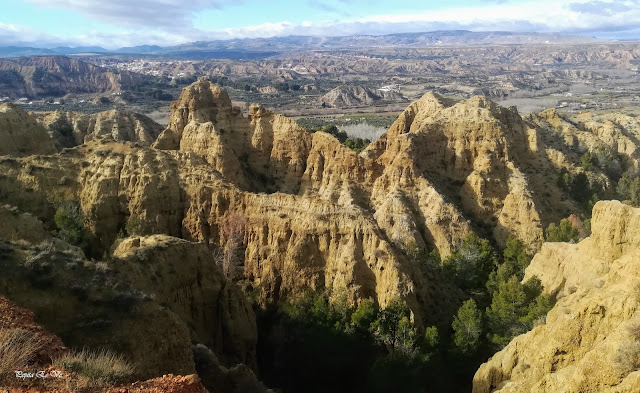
[[18, 347], [563, 232], [581, 188], [70, 223], [515, 308], [629, 188], [431, 338], [104, 367], [587, 162], [365, 315], [394, 329]]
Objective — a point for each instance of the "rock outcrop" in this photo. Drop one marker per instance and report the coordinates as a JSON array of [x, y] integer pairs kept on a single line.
[[443, 170], [69, 129], [58, 75], [186, 279], [150, 301], [349, 96], [21, 135], [42, 347], [590, 341], [48, 347]]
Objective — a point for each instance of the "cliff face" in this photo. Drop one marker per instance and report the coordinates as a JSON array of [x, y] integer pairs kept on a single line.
[[69, 129], [591, 339], [317, 213], [148, 285], [349, 96], [59, 75], [184, 277], [21, 135]]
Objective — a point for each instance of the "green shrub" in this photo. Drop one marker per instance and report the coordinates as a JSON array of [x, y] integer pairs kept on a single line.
[[393, 327], [587, 162], [629, 188], [69, 220], [431, 338], [103, 367], [515, 308], [563, 232], [365, 315]]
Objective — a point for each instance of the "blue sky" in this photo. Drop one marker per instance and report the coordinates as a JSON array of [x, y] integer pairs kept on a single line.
[[116, 23]]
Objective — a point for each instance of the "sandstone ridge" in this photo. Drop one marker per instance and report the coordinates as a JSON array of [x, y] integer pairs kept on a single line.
[[317, 214], [591, 339]]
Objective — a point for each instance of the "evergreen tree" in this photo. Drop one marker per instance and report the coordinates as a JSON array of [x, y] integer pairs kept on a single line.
[[392, 324], [365, 315], [515, 308], [586, 162], [467, 326], [515, 253], [581, 188], [471, 263], [509, 304]]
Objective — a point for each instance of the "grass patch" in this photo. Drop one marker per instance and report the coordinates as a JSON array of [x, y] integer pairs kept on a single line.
[[18, 347], [99, 368]]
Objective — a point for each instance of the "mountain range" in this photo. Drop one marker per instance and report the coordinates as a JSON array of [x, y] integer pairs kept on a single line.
[[263, 47]]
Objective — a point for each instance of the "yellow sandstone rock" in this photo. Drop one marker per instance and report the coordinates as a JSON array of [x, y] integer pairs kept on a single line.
[[591, 339]]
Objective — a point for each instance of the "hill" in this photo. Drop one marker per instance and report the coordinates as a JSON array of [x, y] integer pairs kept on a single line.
[[350, 96], [233, 241], [57, 76], [589, 340]]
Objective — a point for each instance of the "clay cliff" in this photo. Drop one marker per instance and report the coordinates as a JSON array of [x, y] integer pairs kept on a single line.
[[305, 212], [349, 96], [590, 341], [58, 76], [151, 299], [21, 135], [443, 170], [69, 129], [47, 347]]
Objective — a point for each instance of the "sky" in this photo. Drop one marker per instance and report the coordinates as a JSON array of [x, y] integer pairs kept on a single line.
[[117, 23]]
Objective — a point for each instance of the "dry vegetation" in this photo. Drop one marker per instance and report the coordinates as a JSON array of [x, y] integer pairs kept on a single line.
[[18, 348], [97, 368]]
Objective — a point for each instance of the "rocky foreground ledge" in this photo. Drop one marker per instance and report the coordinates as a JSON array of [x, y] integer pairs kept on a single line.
[[49, 346], [591, 339]]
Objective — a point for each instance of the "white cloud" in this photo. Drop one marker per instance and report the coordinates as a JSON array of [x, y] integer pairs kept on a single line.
[[169, 14], [619, 19], [11, 34]]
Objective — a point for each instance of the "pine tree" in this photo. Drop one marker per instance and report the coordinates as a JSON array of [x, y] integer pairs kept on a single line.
[[467, 326]]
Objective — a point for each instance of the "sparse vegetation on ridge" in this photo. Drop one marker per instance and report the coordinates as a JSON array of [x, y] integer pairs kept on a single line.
[[99, 368], [18, 347]]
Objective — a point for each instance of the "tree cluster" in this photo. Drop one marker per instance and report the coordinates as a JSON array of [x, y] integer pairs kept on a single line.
[[514, 307], [356, 144]]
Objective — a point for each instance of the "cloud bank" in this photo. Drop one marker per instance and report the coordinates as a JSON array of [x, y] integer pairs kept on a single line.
[[170, 22]]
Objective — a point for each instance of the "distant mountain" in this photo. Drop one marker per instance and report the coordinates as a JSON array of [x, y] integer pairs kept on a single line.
[[253, 48], [21, 51], [65, 50], [408, 40], [141, 49], [49, 76], [18, 51]]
